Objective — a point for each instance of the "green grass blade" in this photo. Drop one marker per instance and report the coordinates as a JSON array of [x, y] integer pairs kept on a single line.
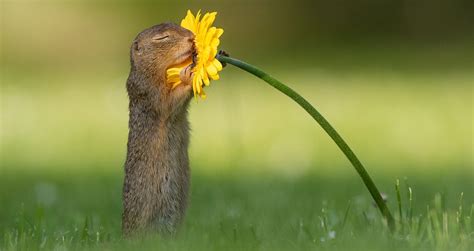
[[399, 201]]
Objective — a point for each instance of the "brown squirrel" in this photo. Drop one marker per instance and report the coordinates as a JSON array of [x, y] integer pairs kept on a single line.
[[156, 180]]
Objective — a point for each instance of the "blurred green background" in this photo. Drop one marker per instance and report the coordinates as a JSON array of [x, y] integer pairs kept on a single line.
[[395, 78]]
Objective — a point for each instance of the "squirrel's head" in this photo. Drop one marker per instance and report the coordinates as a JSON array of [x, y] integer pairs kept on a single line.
[[153, 51], [159, 47]]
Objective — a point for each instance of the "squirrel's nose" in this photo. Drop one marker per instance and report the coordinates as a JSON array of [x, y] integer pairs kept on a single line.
[[190, 35]]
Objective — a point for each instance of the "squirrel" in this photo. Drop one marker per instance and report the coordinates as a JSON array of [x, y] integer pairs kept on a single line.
[[156, 182]]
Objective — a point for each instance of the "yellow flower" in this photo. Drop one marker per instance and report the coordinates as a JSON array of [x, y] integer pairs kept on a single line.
[[206, 40]]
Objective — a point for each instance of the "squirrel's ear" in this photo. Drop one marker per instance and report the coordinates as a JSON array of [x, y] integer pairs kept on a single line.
[[136, 47]]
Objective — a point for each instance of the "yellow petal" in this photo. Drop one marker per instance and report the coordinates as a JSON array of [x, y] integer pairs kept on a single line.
[[212, 55], [204, 76], [173, 70], [215, 42], [198, 16], [199, 85], [211, 69], [219, 32], [194, 86], [189, 21], [207, 21], [173, 78], [217, 64], [210, 34], [175, 84], [203, 95], [214, 77], [205, 55]]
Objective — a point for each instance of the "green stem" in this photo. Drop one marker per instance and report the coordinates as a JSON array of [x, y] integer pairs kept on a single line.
[[325, 125]]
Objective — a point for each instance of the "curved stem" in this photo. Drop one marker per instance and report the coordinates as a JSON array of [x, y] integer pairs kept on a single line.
[[325, 125]]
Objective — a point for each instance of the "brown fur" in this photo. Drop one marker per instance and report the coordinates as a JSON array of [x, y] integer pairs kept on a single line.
[[156, 181]]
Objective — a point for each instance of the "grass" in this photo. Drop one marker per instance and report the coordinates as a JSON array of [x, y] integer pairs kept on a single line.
[[81, 210], [265, 177]]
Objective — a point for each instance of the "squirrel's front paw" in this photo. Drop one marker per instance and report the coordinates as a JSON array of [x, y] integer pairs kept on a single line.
[[184, 90], [186, 75]]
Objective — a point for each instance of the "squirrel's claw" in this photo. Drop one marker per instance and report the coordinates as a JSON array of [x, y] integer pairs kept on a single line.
[[223, 53]]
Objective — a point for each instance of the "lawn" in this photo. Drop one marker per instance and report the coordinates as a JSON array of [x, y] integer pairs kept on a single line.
[[264, 175], [81, 210]]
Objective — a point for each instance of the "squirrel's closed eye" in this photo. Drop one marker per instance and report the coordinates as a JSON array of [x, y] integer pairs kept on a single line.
[[161, 37]]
